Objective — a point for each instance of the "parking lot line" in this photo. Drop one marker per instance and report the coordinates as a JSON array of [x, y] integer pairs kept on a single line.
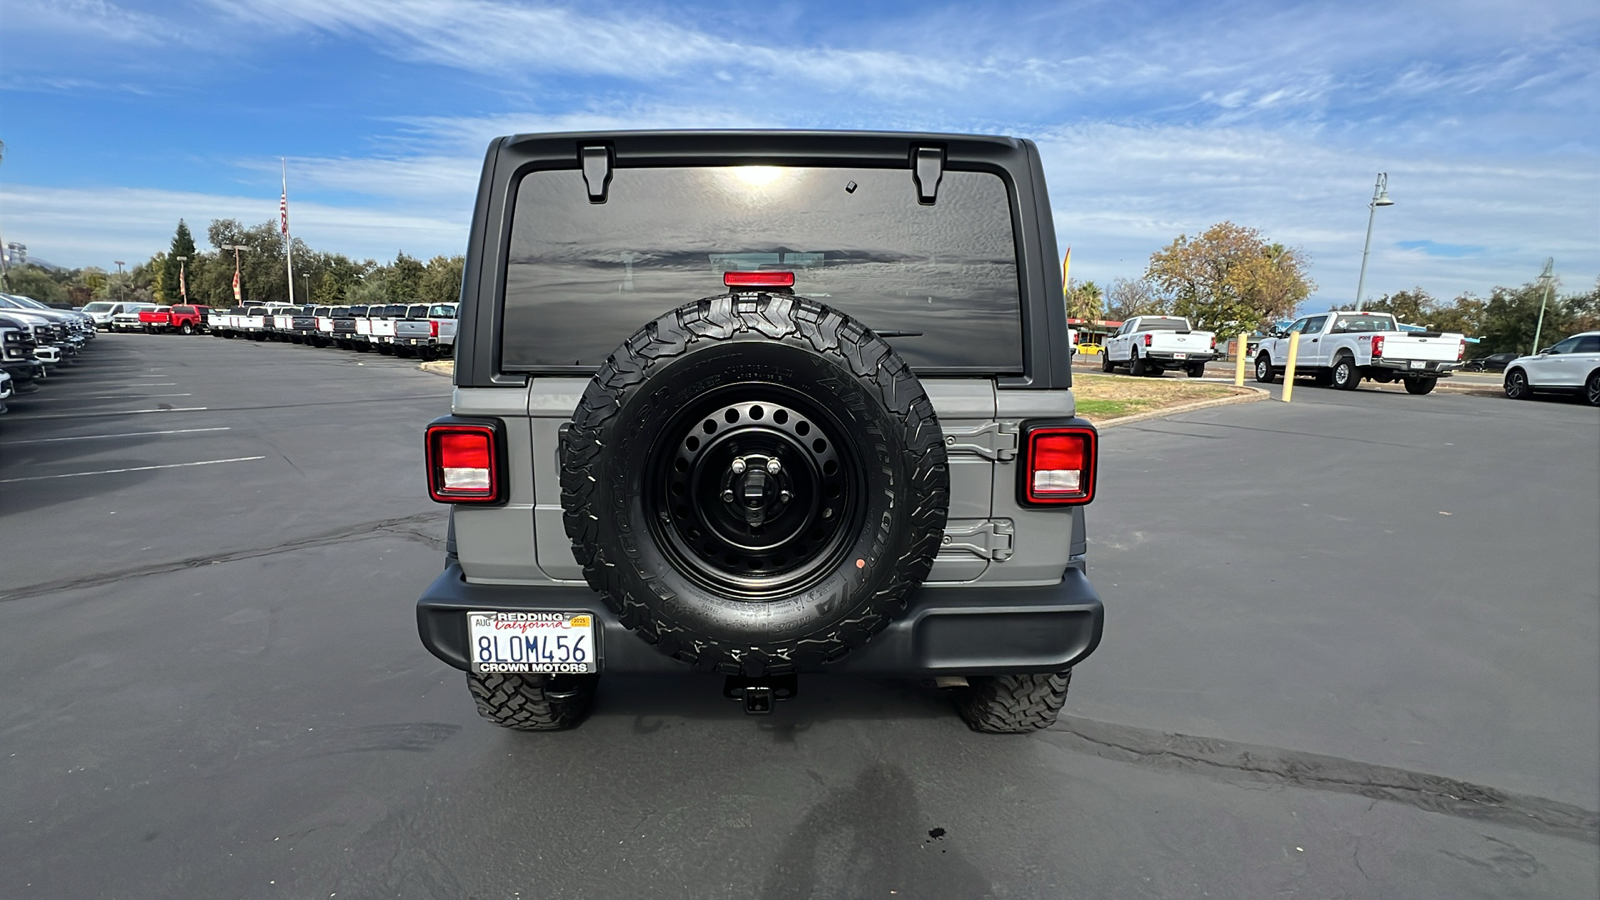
[[123, 412], [104, 397], [95, 437], [203, 462]]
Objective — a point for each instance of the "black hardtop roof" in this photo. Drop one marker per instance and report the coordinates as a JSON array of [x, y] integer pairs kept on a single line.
[[781, 136]]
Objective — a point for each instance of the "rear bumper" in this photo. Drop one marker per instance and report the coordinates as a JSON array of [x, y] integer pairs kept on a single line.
[[1168, 357], [1403, 367], [946, 631]]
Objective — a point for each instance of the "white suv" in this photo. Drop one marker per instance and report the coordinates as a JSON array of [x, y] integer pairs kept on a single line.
[[1570, 367]]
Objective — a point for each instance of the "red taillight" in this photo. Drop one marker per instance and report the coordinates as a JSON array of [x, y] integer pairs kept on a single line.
[[758, 279], [1147, 340], [462, 464], [1060, 466], [433, 329], [1461, 351], [1377, 346]]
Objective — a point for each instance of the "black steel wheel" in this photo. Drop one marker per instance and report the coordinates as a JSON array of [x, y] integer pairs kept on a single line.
[[754, 483]]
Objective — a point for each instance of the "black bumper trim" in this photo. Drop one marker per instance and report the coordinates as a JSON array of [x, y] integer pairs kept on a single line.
[[946, 631]]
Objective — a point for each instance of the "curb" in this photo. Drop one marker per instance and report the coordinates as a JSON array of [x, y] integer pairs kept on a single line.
[[1254, 394], [445, 367]]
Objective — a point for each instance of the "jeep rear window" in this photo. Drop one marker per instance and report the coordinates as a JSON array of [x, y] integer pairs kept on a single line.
[[581, 277]]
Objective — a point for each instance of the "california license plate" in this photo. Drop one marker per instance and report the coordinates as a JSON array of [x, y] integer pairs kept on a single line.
[[549, 643], [1419, 364]]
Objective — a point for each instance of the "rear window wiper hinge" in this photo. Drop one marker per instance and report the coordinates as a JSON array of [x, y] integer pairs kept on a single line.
[[927, 170]]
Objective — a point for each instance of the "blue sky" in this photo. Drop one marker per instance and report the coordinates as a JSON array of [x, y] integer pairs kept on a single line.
[[1154, 119]]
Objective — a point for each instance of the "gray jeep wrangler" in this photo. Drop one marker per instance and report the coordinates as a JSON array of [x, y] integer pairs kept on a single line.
[[762, 404]]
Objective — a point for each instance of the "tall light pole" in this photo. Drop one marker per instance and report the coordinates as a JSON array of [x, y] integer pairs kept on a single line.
[[183, 282], [1380, 197], [121, 292], [1547, 276], [238, 297]]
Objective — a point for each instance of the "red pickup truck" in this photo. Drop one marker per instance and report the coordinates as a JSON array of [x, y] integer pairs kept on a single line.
[[186, 319]]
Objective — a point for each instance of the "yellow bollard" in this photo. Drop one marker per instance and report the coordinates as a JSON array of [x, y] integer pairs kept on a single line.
[[1288, 370], [1241, 352]]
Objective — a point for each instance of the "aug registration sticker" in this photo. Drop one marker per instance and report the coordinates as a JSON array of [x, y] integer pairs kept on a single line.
[[533, 643]]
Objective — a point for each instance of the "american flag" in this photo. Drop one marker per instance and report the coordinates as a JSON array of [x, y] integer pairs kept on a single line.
[[283, 210]]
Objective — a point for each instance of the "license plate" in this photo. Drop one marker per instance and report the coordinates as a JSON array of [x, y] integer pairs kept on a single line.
[[1419, 364], [549, 643], [1180, 356]]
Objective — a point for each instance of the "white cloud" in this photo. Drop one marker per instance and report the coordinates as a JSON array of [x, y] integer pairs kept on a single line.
[[501, 38], [78, 227], [1121, 193]]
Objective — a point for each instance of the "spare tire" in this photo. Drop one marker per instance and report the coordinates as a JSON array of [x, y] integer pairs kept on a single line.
[[754, 483]]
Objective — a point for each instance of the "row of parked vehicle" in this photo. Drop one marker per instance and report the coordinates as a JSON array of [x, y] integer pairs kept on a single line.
[[427, 331], [34, 340]]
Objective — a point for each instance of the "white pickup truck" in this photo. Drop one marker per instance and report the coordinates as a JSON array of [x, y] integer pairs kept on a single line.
[[1342, 348], [1149, 345]]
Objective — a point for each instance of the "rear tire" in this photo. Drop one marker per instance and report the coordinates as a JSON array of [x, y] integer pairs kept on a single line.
[[186, 328], [1346, 377], [533, 702], [1591, 388], [1198, 370], [1420, 385], [1137, 367], [1013, 704], [1264, 373]]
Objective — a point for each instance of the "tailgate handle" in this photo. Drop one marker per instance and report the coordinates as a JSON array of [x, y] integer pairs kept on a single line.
[[927, 170], [596, 171]]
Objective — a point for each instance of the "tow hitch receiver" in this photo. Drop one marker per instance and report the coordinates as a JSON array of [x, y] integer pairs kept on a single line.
[[758, 694]]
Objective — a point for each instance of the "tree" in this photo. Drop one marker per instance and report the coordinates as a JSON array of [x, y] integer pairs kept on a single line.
[[405, 279], [1511, 316], [182, 245], [1463, 316], [441, 283], [1229, 278], [32, 281], [1085, 301], [1131, 297]]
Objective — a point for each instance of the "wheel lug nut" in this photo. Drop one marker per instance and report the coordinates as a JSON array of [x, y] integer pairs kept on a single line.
[[784, 496], [773, 466], [738, 466], [727, 496]]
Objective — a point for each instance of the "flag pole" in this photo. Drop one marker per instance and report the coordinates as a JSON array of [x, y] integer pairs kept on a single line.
[[288, 242]]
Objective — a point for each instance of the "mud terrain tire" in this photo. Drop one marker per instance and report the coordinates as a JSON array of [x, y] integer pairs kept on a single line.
[[1013, 704], [647, 459]]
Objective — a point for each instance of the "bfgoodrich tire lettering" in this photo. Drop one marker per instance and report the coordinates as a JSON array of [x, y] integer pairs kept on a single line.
[[716, 354]]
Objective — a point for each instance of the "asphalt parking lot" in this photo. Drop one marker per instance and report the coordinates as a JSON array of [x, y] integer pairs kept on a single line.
[[1352, 650]]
